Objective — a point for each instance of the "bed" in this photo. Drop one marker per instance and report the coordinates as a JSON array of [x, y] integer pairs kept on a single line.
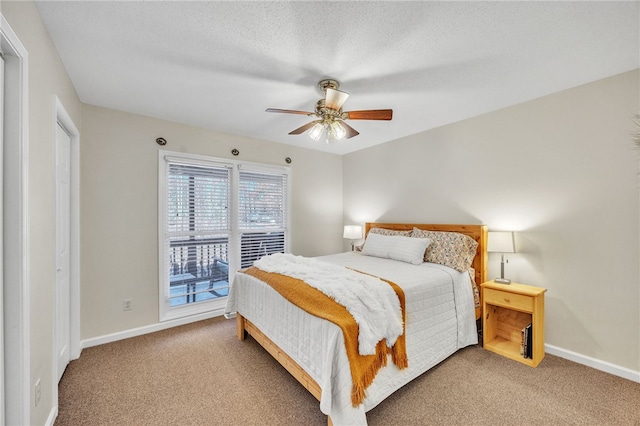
[[441, 312]]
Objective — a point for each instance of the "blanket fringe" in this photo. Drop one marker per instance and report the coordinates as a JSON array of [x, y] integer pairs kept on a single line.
[[358, 390], [399, 353], [398, 356]]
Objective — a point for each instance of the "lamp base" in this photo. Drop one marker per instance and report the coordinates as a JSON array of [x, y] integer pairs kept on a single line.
[[502, 280]]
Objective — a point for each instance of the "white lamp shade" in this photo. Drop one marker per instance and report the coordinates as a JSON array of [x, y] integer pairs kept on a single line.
[[501, 242], [335, 98], [352, 232]]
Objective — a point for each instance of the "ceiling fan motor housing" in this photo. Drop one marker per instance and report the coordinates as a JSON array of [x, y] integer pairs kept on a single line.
[[323, 111], [328, 83]]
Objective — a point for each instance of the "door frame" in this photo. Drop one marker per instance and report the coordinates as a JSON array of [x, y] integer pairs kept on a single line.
[[2, 390], [61, 116], [17, 361]]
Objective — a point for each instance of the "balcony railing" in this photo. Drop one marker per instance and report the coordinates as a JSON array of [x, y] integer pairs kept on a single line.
[[199, 267]]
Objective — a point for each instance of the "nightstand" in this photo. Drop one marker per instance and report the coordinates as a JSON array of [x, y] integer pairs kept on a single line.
[[507, 310]]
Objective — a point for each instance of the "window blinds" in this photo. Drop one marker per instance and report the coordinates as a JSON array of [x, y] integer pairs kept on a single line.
[[262, 214], [198, 199], [198, 227], [262, 200]]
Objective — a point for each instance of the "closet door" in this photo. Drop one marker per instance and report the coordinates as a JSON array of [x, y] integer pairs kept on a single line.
[[63, 241]]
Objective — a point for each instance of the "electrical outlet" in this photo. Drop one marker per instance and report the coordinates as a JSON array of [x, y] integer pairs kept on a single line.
[[127, 304], [38, 392]]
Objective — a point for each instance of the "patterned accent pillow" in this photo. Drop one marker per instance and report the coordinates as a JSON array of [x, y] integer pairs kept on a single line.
[[384, 231], [451, 249], [474, 286]]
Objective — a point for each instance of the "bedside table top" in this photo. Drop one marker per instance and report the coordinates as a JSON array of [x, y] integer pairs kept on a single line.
[[517, 288]]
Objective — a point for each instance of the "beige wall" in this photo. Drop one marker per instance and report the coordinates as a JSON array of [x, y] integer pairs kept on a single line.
[[47, 77], [119, 187], [562, 171]]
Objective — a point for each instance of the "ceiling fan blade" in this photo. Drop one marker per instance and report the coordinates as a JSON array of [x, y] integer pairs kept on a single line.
[[304, 128], [370, 114], [335, 98], [288, 111], [351, 132]]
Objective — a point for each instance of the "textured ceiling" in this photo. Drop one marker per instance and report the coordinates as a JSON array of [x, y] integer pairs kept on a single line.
[[219, 65]]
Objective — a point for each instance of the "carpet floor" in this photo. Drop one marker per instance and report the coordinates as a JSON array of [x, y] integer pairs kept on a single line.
[[200, 374]]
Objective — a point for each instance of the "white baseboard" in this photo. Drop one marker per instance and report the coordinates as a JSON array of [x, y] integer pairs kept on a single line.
[[53, 414], [607, 367], [108, 338]]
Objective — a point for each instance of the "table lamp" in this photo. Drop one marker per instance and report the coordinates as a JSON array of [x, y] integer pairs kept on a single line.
[[501, 242], [352, 232]]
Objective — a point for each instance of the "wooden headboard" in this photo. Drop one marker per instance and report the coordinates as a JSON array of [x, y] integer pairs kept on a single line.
[[477, 232]]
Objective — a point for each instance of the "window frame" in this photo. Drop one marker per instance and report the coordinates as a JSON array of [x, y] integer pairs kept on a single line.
[[215, 306]]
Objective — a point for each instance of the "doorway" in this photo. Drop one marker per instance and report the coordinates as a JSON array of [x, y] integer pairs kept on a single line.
[[15, 261], [66, 337]]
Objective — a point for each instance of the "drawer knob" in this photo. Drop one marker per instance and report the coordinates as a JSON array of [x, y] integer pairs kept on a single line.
[[507, 300]]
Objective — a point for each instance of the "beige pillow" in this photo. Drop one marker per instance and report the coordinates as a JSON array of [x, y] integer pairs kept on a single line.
[[451, 249]]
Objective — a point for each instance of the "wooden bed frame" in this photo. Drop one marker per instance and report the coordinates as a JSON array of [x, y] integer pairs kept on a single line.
[[244, 326]]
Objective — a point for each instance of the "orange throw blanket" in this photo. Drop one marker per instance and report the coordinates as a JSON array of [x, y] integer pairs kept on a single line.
[[363, 367]]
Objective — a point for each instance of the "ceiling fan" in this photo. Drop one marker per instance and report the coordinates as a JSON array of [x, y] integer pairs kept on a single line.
[[331, 119]]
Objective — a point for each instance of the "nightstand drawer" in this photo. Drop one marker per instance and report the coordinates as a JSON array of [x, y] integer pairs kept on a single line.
[[511, 300]]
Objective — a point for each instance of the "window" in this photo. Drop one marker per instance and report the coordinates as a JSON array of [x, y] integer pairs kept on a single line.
[[261, 215], [215, 217]]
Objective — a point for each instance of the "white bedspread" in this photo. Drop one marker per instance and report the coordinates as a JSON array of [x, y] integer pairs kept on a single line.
[[440, 319], [372, 303]]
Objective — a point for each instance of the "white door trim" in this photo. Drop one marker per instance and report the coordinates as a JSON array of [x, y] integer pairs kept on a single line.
[[61, 116], [17, 368], [2, 390]]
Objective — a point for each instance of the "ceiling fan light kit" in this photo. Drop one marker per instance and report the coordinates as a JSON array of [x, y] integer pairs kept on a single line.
[[331, 119], [332, 131]]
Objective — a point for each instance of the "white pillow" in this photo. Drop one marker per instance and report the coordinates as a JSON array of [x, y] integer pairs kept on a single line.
[[396, 247], [376, 245]]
